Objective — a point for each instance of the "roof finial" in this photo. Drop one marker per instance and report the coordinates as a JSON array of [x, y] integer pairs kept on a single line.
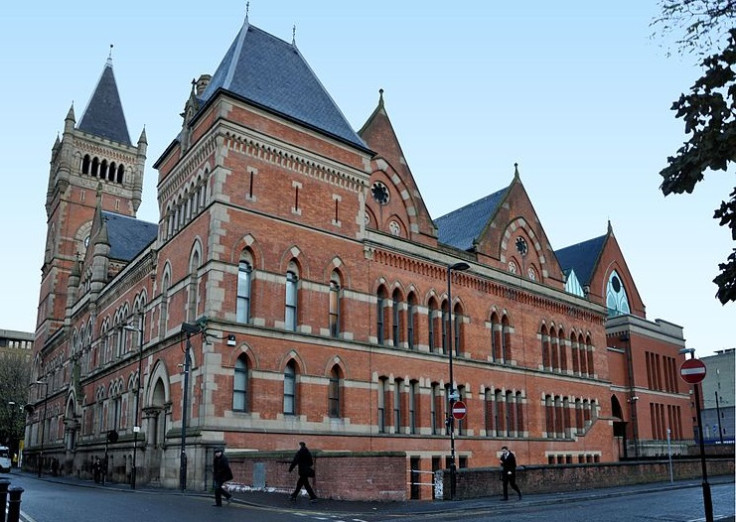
[[293, 35], [247, 9], [516, 170], [610, 227], [380, 97], [109, 56]]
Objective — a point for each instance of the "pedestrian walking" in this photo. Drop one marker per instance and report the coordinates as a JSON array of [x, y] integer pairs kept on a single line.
[[97, 469], [304, 462], [221, 473], [508, 472]]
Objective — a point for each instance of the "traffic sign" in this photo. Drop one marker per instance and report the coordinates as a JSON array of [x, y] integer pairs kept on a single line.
[[458, 410], [692, 371]]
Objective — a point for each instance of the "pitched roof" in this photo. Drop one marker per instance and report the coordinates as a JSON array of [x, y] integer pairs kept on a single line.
[[128, 236], [460, 228], [581, 257], [271, 73], [104, 116]]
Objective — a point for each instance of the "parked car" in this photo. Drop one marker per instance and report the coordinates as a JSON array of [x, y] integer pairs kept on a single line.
[[5, 461]]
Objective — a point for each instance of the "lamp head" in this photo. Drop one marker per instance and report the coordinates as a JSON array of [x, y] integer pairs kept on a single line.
[[459, 267]]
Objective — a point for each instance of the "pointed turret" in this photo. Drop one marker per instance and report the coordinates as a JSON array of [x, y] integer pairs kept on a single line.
[[104, 115]]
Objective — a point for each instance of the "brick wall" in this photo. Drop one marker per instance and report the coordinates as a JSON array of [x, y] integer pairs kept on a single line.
[[484, 482], [353, 476]]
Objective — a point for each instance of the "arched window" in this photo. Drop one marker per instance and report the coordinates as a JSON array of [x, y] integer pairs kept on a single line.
[[240, 385], [382, 392], [432, 333], [488, 412], [457, 329], [554, 352], [245, 271], [563, 351], [506, 339], [121, 173], [434, 409], [334, 304], [413, 405], [519, 415], [545, 348], [381, 315], [589, 353], [333, 399], [583, 357], [495, 338], [290, 389], [498, 412], [411, 326], [86, 164], [398, 413], [396, 317], [290, 319], [445, 322], [193, 286], [617, 301], [510, 414]]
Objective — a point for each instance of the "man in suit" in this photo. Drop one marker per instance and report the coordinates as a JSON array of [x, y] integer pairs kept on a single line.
[[508, 470]]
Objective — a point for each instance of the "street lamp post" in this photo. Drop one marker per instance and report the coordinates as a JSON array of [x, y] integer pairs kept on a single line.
[[189, 329], [707, 499], [43, 425], [137, 426], [457, 267], [11, 406], [718, 415]]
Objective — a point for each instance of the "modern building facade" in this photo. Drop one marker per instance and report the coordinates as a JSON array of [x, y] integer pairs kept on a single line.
[[296, 287], [718, 399], [16, 343]]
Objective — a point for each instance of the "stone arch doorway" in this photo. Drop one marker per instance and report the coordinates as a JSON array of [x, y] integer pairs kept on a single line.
[[619, 427], [156, 413]]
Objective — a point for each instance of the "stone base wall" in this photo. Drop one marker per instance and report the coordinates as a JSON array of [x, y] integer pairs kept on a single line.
[[348, 476], [485, 482]]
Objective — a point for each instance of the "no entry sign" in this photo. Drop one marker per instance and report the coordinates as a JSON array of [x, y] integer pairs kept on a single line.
[[459, 410], [692, 371]]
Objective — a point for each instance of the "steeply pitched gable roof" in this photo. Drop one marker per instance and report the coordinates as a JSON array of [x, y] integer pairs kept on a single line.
[[460, 228], [581, 257], [104, 114], [267, 71], [127, 236]]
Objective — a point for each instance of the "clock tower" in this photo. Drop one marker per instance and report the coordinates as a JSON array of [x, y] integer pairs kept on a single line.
[[93, 163]]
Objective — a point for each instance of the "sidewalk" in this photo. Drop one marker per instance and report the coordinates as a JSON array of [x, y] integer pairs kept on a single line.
[[415, 507]]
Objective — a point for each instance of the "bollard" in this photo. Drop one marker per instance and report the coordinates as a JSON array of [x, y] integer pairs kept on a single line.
[[4, 483], [14, 503]]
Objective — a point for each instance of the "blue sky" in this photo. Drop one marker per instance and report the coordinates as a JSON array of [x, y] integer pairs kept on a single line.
[[576, 92]]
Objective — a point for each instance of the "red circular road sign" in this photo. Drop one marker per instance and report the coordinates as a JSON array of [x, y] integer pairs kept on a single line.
[[458, 410], [692, 371]]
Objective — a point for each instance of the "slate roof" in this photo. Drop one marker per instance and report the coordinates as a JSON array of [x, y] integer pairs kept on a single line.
[[271, 73], [104, 116], [128, 236], [581, 257], [461, 227]]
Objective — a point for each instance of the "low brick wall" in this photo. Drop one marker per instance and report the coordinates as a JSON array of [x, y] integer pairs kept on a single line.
[[344, 476], [485, 482]]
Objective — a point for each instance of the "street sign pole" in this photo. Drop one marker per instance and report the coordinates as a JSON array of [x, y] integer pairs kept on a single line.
[[693, 373]]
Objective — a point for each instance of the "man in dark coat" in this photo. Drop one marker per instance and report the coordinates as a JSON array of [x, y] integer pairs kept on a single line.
[[508, 470], [221, 473], [304, 462]]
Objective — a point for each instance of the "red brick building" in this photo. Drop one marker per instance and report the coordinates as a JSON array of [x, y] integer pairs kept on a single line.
[[298, 276]]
